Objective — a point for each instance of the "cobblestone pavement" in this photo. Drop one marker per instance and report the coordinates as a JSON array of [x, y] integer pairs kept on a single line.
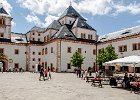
[[62, 86]]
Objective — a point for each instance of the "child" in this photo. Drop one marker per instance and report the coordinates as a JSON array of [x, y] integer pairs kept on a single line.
[[46, 74]]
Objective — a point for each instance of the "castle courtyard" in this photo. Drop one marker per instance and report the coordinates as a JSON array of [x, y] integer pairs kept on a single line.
[[62, 86]]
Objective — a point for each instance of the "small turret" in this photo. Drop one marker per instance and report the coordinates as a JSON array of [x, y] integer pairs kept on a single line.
[[5, 23]]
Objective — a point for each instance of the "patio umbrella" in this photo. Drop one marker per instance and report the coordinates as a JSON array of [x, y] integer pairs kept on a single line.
[[126, 60]]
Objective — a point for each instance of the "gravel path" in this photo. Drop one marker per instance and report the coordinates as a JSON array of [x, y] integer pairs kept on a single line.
[[63, 86]]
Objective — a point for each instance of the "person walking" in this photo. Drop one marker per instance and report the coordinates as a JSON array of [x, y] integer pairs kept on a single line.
[[41, 74], [49, 70], [2, 69]]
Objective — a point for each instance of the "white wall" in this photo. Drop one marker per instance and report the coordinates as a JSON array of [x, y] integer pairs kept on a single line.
[[65, 57], [77, 31], [67, 19], [51, 57], [128, 42], [9, 50]]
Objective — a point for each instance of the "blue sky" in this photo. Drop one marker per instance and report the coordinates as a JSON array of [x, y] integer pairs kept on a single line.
[[105, 16]]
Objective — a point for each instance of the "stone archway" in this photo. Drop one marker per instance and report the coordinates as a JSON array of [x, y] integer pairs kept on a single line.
[[4, 60]]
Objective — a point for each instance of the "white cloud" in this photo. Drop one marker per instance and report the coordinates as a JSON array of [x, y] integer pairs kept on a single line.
[[6, 6], [49, 19], [95, 7], [13, 24], [34, 19], [138, 21], [132, 8], [53, 8]]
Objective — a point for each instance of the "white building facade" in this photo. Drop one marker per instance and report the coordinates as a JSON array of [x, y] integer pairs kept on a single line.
[[54, 46]]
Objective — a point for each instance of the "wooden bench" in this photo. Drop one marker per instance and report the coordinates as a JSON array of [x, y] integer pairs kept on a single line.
[[135, 86], [89, 78], [98, 81]]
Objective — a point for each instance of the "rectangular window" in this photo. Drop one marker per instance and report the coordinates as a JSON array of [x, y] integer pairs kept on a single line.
[[33, 39], [138, 46], [1, 50], [33, 53], [51, 49], [79, 50], [38, 34], [45, 38], [16, 65], [16, 51], [39, 59], [94, 52], [120, 49], [99, 50], [134, 46], [39, 53], [48, 37], [69, 50], [43, 51], [33, 59], [68, 66], [42, 64], [33, 66], [70, 22], [83, 35], [38, 39], [123, 48], [90, 37]]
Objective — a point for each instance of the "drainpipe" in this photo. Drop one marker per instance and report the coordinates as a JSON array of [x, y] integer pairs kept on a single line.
[[26, 57], [96, 58], [60, 55]]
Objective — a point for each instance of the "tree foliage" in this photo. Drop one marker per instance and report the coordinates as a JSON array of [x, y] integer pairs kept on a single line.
[[77, 59], [105, 55]]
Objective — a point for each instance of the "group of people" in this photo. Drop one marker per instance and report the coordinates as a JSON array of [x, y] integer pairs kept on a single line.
[[127, 79], [83, 73], [45, 74], [11, 70]]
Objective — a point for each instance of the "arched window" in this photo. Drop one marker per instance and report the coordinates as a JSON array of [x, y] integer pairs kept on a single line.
[[43, 51], [46, 50], [2, 21]]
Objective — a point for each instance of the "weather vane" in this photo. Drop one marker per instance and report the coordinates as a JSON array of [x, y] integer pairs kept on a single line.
[[70, 2]]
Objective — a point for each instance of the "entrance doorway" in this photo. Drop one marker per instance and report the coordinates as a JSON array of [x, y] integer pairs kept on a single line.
[[3, 62], [3, 66]]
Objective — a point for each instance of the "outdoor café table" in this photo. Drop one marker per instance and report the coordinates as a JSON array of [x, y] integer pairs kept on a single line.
[[97, 80], [136, 85]]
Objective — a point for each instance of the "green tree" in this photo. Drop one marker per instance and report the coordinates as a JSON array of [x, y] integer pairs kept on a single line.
[[105, 55], [77, 59], [110, 53], [101, 58]]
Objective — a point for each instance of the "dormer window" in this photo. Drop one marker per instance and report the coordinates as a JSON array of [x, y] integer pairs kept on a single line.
[[70, 22], [2, 21], [62, 22], [125, 33]]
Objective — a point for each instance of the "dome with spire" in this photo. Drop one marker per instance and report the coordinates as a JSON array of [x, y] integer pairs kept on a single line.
[[3, 11], [71, 12]]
